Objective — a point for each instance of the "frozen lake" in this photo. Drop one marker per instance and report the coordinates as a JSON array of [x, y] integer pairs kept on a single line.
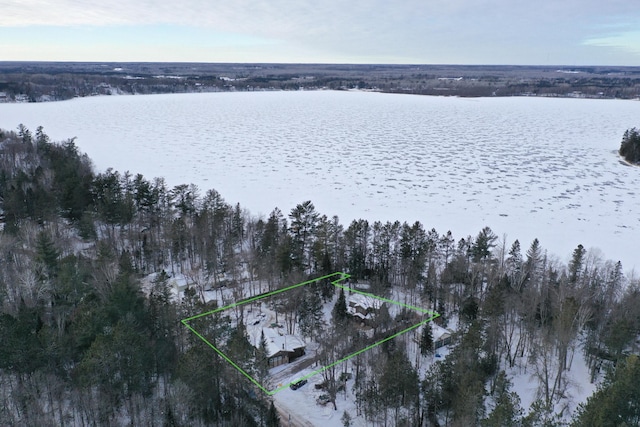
[[526, 167]]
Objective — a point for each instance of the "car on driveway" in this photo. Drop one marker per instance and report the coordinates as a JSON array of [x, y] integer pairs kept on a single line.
[[297, 384]]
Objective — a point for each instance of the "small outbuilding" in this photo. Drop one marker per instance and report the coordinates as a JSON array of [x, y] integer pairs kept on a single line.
[[282, 349], [441, 336]]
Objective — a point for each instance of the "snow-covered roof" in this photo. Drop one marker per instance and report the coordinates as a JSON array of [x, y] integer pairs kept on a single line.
[[364, 301], [277, 342], [438, 331], [360, 315], [179, 281]]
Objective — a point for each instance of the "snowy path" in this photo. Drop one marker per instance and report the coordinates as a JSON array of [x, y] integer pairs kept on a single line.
[[288, 415]]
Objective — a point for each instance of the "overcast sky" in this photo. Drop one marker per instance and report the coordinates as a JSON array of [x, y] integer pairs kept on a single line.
[[555, 32]]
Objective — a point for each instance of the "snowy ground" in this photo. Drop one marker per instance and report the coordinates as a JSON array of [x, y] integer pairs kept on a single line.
[[526, 167], [290, 402], [579, 388]]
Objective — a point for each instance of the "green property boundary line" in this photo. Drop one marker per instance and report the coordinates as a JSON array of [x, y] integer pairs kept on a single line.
[[343, 276]]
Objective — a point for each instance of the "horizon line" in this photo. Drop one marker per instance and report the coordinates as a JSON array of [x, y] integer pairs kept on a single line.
[[64, 61]]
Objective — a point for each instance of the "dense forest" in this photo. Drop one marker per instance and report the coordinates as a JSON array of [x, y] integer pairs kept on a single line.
[[90, 322]]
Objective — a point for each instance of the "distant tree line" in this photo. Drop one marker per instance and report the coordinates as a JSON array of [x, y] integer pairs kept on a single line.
[[38, 82], [87, 341]]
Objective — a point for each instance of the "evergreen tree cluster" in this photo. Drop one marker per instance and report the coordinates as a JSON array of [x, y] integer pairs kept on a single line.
[[630, 146], [617, 400]]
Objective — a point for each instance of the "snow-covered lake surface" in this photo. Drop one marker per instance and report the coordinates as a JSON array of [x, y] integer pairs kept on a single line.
[[526, 167]]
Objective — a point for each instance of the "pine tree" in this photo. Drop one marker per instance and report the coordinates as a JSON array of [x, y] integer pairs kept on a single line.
[[346, 419], [382, 320], [356, 239], [262, 358], [163, 323], [310, 312], [239, 347], [630, 145], [514, 266], [575, 266], [430, 287], [304, 318], [617, 401], [304, 220], [24, 133], [340, 314], [47, 254], [507, 411], [483, 245], [469, 310], [273, 419], [533, 264], [399, 382], [426, 340]]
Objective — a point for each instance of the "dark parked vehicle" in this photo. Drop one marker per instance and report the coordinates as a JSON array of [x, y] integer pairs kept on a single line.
[[297, 385]]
